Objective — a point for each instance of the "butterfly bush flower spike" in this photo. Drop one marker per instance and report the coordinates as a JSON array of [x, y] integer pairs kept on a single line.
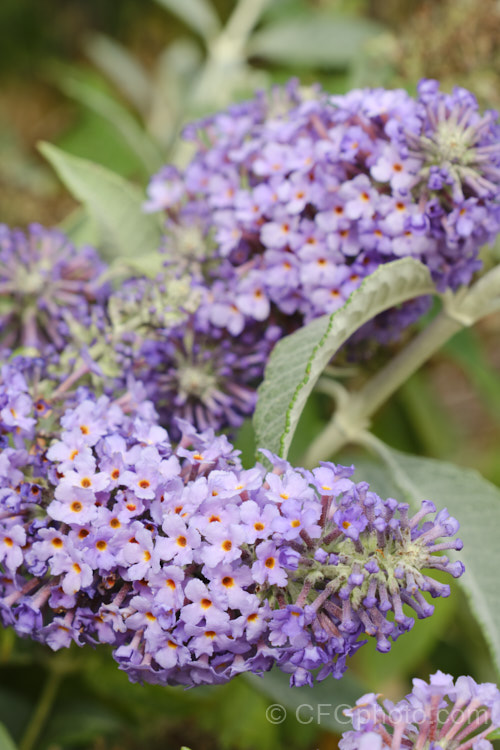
[[193, 568], [299, 195]]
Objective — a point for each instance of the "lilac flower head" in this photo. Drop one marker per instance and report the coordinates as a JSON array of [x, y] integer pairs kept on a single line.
[[193, 568], [457, 142], [45, 284], [299, 195], [442, 714], [191, 368], [359, 558]]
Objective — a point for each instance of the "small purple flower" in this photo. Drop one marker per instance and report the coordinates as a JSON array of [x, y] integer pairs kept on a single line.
[[267, 567], [352, 521]]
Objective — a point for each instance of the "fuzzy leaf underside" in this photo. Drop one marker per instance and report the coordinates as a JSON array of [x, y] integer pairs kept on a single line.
[[298, 360]]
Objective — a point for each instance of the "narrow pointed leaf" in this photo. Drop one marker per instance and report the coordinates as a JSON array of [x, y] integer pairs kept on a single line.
[[298, 360], [120, 118], [317, 39], [123, 70], [113, 202]]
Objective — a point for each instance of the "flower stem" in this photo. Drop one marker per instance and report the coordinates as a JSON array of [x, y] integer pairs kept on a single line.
[[78, 373], [226, 52], [353, 414]]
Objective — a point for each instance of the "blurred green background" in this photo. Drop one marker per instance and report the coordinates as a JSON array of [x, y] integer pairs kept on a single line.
[[113, 82]]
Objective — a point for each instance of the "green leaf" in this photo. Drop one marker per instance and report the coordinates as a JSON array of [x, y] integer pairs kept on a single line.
[[298, 360], [82, 724], [465, 348], [175, 71], [119, 117], [122, 69], [112, 201], [15, 708], [324, 703], [476, 504], [428, 419], [314, 40], [6, 742], [199, 15], [80, 227], [236, 715], [483, 298]]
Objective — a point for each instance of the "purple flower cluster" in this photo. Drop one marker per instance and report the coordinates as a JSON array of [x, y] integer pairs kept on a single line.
[[45, 284], [191, 567], [441, 714], [53, 298], [300, 195], [190, 368]]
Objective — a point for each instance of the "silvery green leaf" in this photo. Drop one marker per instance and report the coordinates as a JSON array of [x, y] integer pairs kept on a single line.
[[122, 69], [112, 201], [298, 360], [80, 227], [120, 118], [483, 298], [173, 77], [318, 39]]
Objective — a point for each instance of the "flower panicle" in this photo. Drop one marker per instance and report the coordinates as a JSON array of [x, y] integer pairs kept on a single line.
[[193, 568]]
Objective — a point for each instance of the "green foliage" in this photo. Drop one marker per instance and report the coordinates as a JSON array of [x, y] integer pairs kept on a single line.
[[466, 350], [122, 68], [481, 300], [430, 423], [95, 139], [237, 715], [112, 201], [98, 707], [80, 722], [6, 742], [298, 360], [141, 145], [314, 39]]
